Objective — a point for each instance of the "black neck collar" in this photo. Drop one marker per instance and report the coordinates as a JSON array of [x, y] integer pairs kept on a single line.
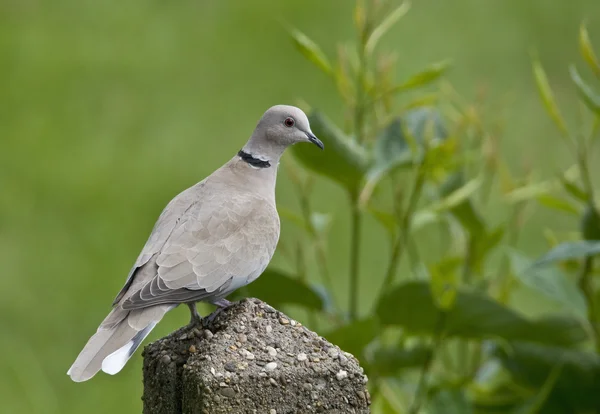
[[255, 162]]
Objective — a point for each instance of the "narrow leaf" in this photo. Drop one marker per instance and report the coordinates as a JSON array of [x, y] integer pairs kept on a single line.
[[590, 98], [387, 220], [444, 282], [294, 218], [449, 401], [278, 288], [464, 211], [386, 25], [354, 337], [389, 361], [548, 97], [425, 124], [550, 282], [569, 251], [587, 51], [529, 192], [390, 151], [458, 196], [412, 307], [590, 223], [573, 189], [393, 149], [487, 245], [342, 160], [557, 203], [422, 218], [422, 78], [535, 404], [576, 387], [311, 51]]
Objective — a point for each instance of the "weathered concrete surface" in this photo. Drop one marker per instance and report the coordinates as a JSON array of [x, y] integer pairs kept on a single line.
[[251, 359]]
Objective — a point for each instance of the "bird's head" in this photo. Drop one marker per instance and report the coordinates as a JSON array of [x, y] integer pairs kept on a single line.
[[284, 125]]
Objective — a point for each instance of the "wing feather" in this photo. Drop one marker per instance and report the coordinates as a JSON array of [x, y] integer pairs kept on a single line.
[[216, 247]]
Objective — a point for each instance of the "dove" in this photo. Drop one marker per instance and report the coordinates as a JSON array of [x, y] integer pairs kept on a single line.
[[210, 240]]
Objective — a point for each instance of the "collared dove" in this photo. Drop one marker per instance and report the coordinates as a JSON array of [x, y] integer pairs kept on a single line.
[[210, 240]]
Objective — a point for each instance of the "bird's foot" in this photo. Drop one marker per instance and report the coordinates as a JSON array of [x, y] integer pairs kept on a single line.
[[221, 305], [195, 318]]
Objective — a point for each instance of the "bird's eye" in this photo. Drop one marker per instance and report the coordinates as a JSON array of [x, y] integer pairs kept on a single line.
[[289, 122]]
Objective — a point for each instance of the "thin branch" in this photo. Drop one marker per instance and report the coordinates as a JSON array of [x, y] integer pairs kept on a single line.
[[403, 232], [421, 392], [587, 288], [354, 257]]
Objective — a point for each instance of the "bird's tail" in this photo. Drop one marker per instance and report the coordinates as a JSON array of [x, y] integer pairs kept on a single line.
[[117, 338]]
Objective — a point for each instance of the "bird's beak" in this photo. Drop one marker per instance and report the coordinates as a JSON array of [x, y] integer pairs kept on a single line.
[[312, 138]]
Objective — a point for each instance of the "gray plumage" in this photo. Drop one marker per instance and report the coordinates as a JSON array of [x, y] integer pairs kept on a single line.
[[210, 240]]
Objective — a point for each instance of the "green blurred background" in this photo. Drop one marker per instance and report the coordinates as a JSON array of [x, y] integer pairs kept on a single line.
[[109, 109]]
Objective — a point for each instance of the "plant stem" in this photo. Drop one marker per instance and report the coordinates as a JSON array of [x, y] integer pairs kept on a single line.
[[319, 246], [422, 385], [585, 284], [467, 273], [404, 230], [302, 275], [354, 257], [585, 173], [512, 234], [360, 103]]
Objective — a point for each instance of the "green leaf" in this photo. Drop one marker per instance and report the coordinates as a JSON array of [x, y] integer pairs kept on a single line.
[[569, 329], [422, 78], [587, 51], [311, 51], [548, 97], [449, 401], [386, 25], [590, 223], [422, 218], [550, 282], [576, 388], [292, 217], [557, 203], [392, 401], [387, 220], [389, 361], [392, 150], [425, 124], [486, 244], [573, 189], [389, 152], [458, 196], [464, 211], [569, 251], [591, 98], [342, 160], [355, 336], [444, 281], [412, 307], [277, 288], [535, 404], [529, 192]]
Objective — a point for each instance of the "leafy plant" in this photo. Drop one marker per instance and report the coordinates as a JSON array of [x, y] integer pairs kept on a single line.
[[413, 156]]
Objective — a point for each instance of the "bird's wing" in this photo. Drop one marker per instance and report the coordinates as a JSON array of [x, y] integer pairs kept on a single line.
[[220, 244], [166, 223]]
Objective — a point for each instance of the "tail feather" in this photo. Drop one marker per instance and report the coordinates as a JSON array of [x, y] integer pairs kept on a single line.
[[112, 346], [117, 360]]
